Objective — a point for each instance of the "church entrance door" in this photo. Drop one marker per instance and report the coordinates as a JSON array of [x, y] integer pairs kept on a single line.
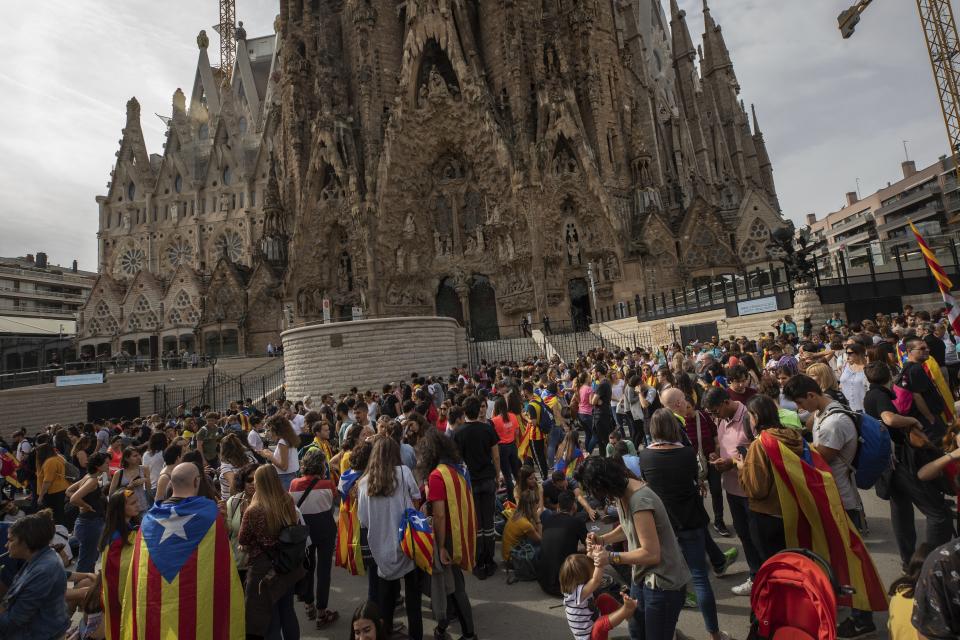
[[448, 302], [483, 310], [579, 304]]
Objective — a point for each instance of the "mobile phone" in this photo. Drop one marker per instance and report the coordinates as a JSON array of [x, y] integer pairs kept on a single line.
[[742, 450]]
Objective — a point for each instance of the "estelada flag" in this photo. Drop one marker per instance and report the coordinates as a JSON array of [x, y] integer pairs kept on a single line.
[[348, 553], [814, 518], [183, 578], [461, 515], [115, 565], [416, 539], [8, 468]]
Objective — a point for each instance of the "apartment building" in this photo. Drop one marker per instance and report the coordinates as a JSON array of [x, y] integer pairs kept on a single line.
[[878, 225], [39, 303]]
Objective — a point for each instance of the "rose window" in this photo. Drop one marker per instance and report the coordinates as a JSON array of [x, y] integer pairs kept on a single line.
[[179, 253], [759, 231], [231, 244], [131, 261]]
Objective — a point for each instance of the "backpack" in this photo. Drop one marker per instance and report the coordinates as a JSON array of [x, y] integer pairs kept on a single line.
[[794, 595], [524, 559], [874, 448], [547, 421], [290, 551]]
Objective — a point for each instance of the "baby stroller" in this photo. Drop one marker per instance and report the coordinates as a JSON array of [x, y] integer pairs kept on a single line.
[[794, 597]]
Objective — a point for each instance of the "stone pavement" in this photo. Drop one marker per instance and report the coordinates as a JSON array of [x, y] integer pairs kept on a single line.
[[522, 610]]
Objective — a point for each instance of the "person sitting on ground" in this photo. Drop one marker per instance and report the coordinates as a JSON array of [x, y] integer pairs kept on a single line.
[[34, 605], [936, 611], [615, 437], [563, 534], [523, 527], [579, 579], [557, 484]]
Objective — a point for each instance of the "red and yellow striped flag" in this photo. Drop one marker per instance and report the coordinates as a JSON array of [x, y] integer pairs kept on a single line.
[[814, 518], [943, 281], [347, 552], [461, 515], [416, 539], [115, 565], [183, 580]]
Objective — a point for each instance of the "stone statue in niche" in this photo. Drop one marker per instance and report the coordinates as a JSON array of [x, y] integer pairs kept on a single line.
[[611, 270], [409, 227], [572, 241], [174, 213], [401, 267], [345, 272], [508, 247], [317, 300], [224, 201], [414, 261], [481, 244], [126, 222], [437, 85], [304, 303]]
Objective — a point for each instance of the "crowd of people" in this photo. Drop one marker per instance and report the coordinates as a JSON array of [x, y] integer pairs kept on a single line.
[[609, 481]]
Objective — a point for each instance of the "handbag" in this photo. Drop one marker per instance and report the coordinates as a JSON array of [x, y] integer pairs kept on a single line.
[[702, 468]]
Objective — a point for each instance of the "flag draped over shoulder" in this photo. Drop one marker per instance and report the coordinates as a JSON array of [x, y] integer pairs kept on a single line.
[[115, 565], [416, 539], [461, 515], [569, 468], [348, 553], [183, 580], [814, 518]]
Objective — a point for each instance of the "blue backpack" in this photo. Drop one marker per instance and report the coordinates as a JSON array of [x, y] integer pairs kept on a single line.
[[874, 449], [547, 421]]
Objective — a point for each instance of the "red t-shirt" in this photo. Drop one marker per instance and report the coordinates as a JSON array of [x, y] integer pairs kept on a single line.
[[437, 492], [506, 429]]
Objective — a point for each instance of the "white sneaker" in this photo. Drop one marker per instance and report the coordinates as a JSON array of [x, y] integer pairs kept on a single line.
[[743, 589]]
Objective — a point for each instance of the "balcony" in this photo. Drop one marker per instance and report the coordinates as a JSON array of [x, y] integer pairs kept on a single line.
[[32, 275], [9, 309], [919, 196], [11, 292], [857, 238], [850, 224], [929, 211]]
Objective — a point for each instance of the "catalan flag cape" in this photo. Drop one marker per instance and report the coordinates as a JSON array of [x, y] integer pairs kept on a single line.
[[115, 565], [348, 553], [814, 518], [183, 580], [461, 515], [416, 539]]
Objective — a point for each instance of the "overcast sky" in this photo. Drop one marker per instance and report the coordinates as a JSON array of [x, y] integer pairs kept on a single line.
[[831, 110]]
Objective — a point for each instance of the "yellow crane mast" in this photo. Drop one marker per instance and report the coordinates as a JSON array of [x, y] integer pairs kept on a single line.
[[943, 47], [227, 30]]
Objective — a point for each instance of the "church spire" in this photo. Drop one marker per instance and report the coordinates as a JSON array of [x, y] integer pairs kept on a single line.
[[756, 124], [682, 42], [273, 243], [716, 55]]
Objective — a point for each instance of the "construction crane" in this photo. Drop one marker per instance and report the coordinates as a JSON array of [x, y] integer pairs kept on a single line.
[[943, 46], [227, 30]]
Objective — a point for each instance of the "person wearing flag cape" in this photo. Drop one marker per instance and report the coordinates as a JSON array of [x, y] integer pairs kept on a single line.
[[182, 558], [116, 549], [450, 503]]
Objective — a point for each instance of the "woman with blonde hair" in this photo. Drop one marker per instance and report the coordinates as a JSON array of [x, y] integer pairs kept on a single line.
[[268, 595], [824, 376]]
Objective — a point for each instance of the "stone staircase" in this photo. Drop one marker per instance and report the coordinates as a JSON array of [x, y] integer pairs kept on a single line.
[[568, 345]]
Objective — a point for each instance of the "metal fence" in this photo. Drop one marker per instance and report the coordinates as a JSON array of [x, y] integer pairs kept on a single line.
[[218, 390]]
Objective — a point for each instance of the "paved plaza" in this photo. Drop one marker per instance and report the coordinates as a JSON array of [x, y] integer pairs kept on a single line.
[[522, 610]]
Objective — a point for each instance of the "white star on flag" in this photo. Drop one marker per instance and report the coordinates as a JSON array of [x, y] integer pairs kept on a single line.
[[418, 520], [174, 525]]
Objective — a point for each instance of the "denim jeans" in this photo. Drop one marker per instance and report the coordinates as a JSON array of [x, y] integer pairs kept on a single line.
[[586, 421], [283, 622], [657, 613], [286, 479], [87, 532], [554, 438], [693, 544], [509, 464], [740, 512]]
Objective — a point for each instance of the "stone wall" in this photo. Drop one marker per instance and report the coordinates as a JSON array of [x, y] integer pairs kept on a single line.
[[750, 326], [331, 358]]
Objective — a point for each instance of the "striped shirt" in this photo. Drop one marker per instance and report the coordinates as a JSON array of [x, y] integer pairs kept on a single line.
[[580, 614]]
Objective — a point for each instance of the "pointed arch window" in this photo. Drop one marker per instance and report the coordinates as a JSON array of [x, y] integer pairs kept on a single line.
[[178, 183], [227, 176], [131, 190]]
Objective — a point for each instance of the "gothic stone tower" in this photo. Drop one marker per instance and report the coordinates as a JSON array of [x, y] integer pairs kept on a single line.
[[472, 158]]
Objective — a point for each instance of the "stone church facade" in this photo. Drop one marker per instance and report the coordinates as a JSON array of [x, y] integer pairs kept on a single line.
[[476, 160]]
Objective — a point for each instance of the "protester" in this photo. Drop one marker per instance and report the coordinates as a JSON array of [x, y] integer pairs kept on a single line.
[[659, 573], [132, 475], [386, 490], [116, 549], [89, 499], [589, 617], [284, 455], [33, 607]]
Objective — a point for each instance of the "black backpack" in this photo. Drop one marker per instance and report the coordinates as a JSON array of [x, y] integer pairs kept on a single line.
[[290, 551]]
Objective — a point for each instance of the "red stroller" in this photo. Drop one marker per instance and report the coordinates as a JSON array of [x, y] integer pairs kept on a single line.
[[794, 597]]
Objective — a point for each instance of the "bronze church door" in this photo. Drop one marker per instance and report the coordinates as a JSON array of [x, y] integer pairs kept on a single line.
[[579, 304]]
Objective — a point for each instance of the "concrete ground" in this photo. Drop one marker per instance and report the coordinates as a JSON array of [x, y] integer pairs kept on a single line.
[[522, 610]]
